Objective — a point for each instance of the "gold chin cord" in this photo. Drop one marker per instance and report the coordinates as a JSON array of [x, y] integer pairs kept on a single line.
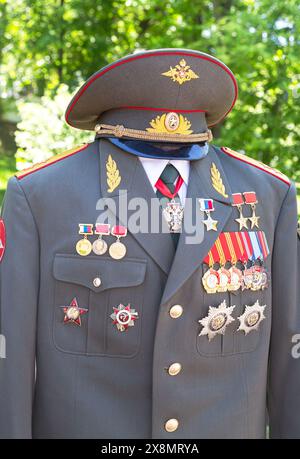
[[122, 131]]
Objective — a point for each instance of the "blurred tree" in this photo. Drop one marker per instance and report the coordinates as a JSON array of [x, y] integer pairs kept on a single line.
[[48, 43], [43, 118]]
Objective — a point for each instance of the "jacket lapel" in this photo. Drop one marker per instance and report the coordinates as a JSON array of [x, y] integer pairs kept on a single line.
[[134, 184], [189, 256]]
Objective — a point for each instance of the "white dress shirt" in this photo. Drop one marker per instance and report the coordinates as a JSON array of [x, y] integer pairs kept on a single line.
[[154, 168]]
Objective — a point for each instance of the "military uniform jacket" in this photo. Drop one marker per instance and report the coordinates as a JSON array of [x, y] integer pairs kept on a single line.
[[63, 381]]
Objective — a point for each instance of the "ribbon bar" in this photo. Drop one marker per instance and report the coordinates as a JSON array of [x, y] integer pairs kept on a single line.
[[238, 246], [102, 228], [237, 199], [250, 197], [206, 205], [119, 230], [86, 228]]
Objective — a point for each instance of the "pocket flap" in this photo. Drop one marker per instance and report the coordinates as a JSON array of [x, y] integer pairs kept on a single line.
[[112, 273]]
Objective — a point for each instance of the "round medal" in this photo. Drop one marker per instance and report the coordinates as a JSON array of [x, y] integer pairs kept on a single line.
[[123, 317], [117, 250], [256, 278], [99, 247], [264, 279], [210, 280], [236, 277], [252, 318], [83, 247], [73, 313], [224, 280], [247, 278], [217, 322]]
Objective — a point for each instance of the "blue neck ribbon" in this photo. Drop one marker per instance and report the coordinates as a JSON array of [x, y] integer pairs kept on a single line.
[[148, 150]]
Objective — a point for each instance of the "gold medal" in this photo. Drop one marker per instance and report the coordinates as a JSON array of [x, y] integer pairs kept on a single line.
[[236, 279], [224, 280], [118, 250], [210, 281], [84, 247]]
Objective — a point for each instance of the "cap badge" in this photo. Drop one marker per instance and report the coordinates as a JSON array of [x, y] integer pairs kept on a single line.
[[171, 123], [252, 317], [217, 181], [73, 313], [216, 321], [113, 176], [181, 73], [124, 317]]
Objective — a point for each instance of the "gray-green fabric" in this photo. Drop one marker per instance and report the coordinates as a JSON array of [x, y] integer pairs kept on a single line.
[[95, 382]]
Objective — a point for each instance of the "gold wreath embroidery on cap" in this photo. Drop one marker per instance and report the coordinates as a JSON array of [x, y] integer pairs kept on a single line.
[[181, 73], [171, 123], [113, 176], [217, 181]]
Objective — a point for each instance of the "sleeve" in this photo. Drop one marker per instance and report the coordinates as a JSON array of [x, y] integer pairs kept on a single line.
[[284, 361], [19, 280]]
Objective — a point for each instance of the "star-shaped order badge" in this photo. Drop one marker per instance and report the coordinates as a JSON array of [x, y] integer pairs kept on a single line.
[[251, 318], [124, 317], [216, 321], [207, 206], [73, 312]]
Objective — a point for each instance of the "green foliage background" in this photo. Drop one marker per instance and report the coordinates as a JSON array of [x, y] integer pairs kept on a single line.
[[46, 43]]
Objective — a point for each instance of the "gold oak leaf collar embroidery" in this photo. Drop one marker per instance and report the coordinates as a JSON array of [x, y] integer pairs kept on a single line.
[[113, 176], [217, 181]]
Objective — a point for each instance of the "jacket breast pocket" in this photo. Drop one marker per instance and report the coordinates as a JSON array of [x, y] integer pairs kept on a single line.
[[237, 338], [97, 288]]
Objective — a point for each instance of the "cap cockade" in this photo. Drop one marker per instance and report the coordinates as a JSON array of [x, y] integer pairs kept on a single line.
[[164, 95]]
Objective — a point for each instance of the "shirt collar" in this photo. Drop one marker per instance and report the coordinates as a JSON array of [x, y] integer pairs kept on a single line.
[[155, 167]]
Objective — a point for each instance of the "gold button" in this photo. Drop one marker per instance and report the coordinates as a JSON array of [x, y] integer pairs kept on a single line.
[[97, 282], [171, 425], [176, 311], [174, 369]]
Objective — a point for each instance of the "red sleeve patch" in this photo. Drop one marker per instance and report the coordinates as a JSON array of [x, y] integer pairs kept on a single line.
[[2, 239]]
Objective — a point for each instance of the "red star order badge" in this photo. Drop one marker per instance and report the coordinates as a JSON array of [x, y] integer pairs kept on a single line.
[[73, 312], [124, 317]]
